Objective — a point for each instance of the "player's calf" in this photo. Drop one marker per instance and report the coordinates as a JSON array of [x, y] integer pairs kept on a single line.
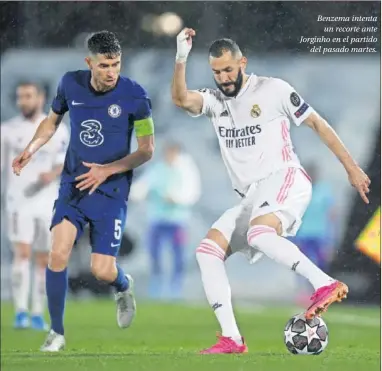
[[63, 234], [104, 268], [211, 255], [266, 239]]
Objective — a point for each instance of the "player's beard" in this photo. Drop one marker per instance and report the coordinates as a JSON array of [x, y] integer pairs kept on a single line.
[[29, 113], [237, 85], [103, 87]]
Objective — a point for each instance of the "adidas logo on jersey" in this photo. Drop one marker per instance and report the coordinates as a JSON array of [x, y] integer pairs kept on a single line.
[[224, 114]]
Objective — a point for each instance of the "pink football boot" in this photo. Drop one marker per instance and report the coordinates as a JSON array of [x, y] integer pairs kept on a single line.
[[226, 345], [324, 296]]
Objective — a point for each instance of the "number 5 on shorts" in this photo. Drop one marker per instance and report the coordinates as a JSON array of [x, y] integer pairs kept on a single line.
[[117, 229]]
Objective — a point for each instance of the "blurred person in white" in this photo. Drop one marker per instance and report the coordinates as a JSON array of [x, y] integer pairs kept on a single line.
[[251, 116], [317, 235], [170, 187], [29, 202]]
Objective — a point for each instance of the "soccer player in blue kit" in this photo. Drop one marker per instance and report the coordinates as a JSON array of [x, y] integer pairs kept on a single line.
[[104, 109]]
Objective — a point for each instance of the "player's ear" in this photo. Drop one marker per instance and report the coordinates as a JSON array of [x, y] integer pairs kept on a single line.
[[88, 62], [243, 62]]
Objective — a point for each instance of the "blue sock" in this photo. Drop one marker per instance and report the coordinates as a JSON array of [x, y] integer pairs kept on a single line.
[[121, 283], [56, 288]]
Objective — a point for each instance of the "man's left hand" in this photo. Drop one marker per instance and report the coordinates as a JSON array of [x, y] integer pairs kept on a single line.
[[93, 178]]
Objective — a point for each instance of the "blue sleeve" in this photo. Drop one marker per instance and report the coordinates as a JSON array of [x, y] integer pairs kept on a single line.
[[143, 109], [59, 104], [142, 103]]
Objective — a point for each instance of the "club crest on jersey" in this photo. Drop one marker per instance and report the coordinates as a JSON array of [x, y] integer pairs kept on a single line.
[[255, 111], [114, 111]]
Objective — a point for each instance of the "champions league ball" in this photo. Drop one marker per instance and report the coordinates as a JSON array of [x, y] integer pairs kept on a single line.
[[309, 337]]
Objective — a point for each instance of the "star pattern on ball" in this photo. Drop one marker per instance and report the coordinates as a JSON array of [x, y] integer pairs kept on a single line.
[[311, 332], [289, 336]]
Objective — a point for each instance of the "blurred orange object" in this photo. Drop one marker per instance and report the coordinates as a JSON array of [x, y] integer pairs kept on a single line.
[[369, 240]]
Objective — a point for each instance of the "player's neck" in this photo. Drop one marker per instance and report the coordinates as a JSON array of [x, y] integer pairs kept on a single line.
[[245, 79]]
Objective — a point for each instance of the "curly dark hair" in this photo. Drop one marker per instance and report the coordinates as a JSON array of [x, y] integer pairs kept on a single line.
[[104, 42]]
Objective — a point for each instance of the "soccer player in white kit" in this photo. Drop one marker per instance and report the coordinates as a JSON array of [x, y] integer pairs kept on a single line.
[[251, 116], [29, 203]]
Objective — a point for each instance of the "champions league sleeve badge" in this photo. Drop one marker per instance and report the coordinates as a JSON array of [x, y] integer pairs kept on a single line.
[[295, 99]]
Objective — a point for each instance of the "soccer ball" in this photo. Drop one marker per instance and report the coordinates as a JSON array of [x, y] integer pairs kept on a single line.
[[309, 337]]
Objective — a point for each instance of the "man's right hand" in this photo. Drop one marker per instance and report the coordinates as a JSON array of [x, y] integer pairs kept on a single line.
[[20, 161], [184, 44]]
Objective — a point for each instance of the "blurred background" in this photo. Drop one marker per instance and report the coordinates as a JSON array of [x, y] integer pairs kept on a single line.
[[43, 40]]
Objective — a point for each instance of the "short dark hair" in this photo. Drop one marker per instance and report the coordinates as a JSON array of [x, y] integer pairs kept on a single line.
[[40, 89], [218, 47], [104, 42]]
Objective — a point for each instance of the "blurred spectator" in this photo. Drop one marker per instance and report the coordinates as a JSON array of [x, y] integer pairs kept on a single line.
[[316, 236], [171, 187], [29, 202]]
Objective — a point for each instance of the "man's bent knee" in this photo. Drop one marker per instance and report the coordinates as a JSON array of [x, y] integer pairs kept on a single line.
[[103, 267], [214, 244], [58, 260], [270, 220]]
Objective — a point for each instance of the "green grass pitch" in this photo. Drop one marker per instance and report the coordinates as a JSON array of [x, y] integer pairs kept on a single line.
[[167, 337]]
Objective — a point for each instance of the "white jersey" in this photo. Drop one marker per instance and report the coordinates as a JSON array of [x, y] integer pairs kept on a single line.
[[253, 128], [15, 136]]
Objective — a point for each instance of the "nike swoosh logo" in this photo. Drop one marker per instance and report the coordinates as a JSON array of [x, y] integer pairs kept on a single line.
[[74, 103], [114, 245]]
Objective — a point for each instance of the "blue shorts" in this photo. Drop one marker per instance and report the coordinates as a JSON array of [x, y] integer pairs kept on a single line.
[[105, 215]]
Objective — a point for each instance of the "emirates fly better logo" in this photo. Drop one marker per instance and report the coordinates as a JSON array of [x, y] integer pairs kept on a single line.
[[238, 138]]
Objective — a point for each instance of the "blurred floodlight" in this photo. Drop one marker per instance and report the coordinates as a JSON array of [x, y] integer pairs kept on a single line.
[[168, 24]]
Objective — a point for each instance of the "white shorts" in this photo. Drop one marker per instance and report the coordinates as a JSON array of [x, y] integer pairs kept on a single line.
[[286, 194], [30, 226]]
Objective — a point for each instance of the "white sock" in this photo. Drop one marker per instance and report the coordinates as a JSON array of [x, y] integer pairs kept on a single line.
[[210, 258], [21, 284], [38, 292], [283, 251]]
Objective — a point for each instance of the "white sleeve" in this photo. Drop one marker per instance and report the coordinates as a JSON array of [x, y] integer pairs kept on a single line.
[[291, 103], [61, 143], [209, 102]]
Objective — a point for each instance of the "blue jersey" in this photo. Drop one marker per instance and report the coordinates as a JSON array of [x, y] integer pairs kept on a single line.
[[101, 126]]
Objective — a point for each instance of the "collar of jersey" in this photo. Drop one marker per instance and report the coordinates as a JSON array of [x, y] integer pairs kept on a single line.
[[95, 92], [245, 87]]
